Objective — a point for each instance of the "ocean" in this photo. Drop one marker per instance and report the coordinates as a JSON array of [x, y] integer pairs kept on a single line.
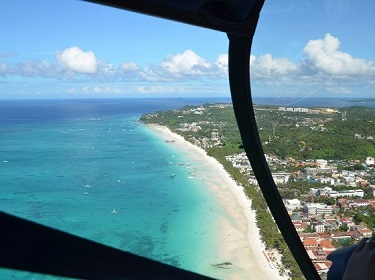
[[90, 168]]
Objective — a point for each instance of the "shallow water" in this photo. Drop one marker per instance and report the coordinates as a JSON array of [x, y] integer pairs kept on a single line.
[[108, 178]]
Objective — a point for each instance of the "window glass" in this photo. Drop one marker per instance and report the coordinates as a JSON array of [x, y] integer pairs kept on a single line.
[[75, 79], [311, 73]]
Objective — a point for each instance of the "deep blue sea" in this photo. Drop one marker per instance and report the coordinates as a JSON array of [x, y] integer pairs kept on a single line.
[[90, 168]]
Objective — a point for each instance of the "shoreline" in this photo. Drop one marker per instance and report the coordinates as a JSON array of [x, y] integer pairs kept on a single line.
[[240, 242]]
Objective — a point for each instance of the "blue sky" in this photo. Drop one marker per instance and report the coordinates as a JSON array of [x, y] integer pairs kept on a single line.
[[75, 49]]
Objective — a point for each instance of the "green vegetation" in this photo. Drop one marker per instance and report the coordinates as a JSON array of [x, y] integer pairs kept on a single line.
[[324, 135], [366, 215], [267, 228], [319, 133], [312, 135]]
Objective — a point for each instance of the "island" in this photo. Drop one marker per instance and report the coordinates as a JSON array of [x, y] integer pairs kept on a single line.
[[322, 160]]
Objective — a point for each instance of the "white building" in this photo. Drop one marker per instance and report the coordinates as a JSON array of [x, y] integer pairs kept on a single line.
[[292, 204], [321, 162], [370, 161], [359, 193], [280, 178], [319, 227], [317, 208]]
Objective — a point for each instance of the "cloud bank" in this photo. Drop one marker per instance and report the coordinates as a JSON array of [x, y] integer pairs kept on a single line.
[[323, 63], [325, 56]]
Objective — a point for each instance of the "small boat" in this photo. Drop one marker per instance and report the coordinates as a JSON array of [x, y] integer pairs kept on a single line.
[[114, 211], [85, 193], [173, 175]]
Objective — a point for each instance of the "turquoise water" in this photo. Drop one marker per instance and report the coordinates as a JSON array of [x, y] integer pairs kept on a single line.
[[72, 171]]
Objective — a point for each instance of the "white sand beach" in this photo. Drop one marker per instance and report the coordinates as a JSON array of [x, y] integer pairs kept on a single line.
[[241, 244]]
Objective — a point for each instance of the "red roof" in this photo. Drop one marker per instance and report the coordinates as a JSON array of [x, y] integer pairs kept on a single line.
[[326, 244], [310, 242]]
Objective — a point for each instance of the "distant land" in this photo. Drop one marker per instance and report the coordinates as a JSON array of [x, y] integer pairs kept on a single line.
[[364, 100], [295, 139]]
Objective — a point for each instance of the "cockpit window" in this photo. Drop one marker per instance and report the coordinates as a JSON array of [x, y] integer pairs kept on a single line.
[[311, 78], [119, 128], [75, 80]]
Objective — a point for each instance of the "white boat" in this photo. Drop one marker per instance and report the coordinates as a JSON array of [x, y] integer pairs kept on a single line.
[[114, 211]]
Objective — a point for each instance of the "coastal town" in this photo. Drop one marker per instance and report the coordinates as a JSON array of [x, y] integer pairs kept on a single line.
[[324, 217], [330, 200]]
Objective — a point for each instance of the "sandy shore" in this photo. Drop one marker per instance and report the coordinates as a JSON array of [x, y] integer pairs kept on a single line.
[[241, 244]]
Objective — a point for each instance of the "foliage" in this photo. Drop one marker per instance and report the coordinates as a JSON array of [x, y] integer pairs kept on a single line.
[[285, 134], [302, 136], [366, 215]]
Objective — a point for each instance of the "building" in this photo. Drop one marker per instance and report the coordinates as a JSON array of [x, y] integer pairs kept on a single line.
[[370, 161], [365, 232], [280, 178], [327, 191], [310, 171], [359, 193], [292, 204], [327, 246], [310, 243], [319, 227], [317, 208]]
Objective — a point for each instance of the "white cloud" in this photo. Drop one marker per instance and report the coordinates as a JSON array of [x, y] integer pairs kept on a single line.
[[3, 69], [222, 62], [160, 89], [35, 68], [324, 65], [102, 89], [267, 66], [72, 90], [154, 74], [129, 67], [325, 56], [78, 61], [340, 90], [106, 69], [129, 70], [186, 63], [252, 59]]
